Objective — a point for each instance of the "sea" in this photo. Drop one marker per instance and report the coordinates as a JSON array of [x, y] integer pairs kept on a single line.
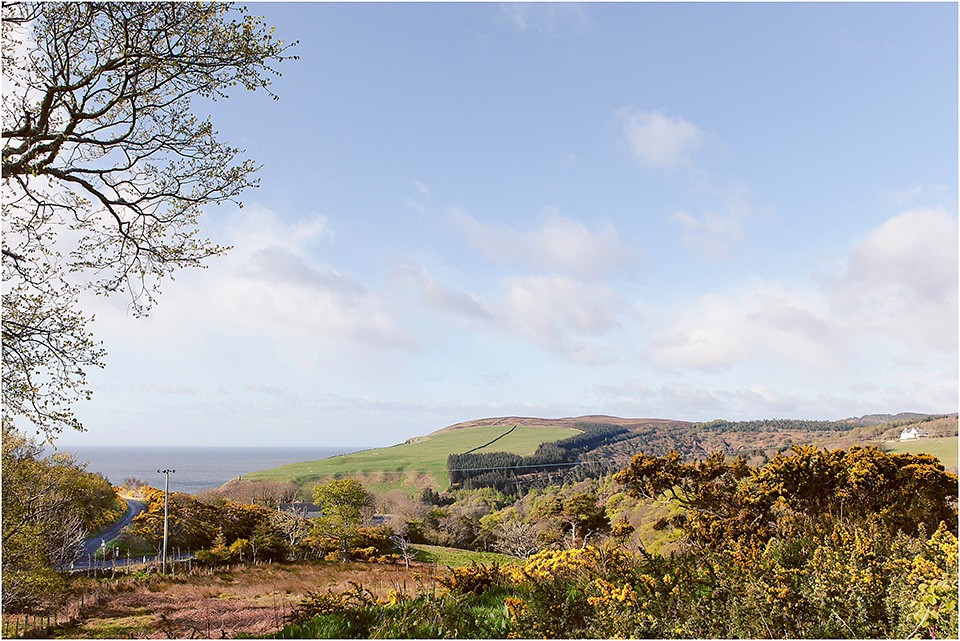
[[195, 468]]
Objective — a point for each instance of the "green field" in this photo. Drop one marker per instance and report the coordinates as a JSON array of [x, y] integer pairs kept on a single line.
[[943, 448], [412, 466], [455, 557]]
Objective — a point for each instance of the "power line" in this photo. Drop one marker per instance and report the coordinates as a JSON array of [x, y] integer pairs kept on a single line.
[[476, 469]]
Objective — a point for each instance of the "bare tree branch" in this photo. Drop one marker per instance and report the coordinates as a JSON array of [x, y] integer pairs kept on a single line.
[[106, 170]]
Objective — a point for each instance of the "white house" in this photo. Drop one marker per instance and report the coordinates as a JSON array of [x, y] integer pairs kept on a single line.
[[909, 435]]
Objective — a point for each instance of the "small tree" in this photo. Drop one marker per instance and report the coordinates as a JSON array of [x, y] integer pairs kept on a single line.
[[517, 538], [581, 516], [405, 546], [342, 504], [293, 529]]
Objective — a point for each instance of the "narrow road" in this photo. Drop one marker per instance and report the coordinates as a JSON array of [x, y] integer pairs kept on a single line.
[[88, 561], [133, 508]]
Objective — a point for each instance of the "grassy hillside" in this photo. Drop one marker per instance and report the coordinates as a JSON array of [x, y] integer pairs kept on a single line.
[[421, 461], [943, 448], [418, 463]]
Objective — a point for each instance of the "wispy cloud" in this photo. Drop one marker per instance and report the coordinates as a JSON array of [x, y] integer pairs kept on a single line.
[[272, 282], [551, 18], [560, 314], [657, 140], [165, 387], [559, 244], [436, 296], [717, 232], [563, 315]]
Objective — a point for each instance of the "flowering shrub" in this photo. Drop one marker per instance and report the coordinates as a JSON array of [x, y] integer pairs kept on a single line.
[[550, 565], [475, 579]]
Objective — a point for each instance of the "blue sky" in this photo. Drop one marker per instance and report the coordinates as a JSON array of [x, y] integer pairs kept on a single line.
[[688, 211]]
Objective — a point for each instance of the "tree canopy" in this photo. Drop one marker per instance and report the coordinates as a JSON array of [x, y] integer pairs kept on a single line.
[[49, 505], [106, 170], [342, 503]]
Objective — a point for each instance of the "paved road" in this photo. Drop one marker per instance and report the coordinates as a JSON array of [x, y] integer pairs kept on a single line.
[[133, 508], [88, 560]]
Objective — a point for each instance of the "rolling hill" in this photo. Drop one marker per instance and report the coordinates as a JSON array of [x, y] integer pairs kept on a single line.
[[569, 422], [419, 462], [422, 461]]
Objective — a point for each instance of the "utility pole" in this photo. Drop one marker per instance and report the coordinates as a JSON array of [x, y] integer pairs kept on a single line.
[[166, 492]]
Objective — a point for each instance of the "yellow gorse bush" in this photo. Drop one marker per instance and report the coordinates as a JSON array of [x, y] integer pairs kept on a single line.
[[605, 593], [563, 564]]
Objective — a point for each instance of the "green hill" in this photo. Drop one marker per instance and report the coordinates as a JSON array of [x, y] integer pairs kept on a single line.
[[420, 462]]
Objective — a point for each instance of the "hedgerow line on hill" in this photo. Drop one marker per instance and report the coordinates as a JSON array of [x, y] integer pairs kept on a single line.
[[480, 447], [473, 469], [466, 470]]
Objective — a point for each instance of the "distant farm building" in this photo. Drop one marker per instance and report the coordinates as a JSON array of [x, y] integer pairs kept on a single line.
[[909, 435], [301, 509], [310, 511]]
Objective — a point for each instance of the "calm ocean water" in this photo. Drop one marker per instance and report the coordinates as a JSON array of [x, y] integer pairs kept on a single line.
[[197, 468]]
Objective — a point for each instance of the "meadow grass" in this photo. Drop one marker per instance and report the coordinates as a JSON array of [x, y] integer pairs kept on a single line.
[[455, 557], [422, 462], [943, 448], [249, 599]]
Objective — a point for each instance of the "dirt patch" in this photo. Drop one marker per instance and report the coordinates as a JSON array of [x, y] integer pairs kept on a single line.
[[249, 600]]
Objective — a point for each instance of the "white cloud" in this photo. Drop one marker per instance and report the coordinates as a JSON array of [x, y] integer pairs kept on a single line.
[[659, 140], [762, 320], [556, 312], [269, 283], [703, 402], [562, 315], [714, 235], [707, 337], [282, 394], [550, 18], [632, 391], [422, 188], [901, 280], [922, 194], [773, 403], [300, 299], [253, 228], [899, 284], [558, 245]]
